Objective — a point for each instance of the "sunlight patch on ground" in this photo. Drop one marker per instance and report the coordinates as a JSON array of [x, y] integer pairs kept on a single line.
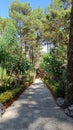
[[38, 81], [11, 114]]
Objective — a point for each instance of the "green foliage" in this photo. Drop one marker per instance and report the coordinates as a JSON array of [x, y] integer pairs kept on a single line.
[[57, 89], [3, 55], [10, 34], [4, 72], [17, 64], [13, 63], [28, 23], [56, 23], [8, 95], [17, 10], [29, 27], [54, 65]]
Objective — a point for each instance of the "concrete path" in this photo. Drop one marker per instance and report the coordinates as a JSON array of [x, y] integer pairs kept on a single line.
[[35, 110]]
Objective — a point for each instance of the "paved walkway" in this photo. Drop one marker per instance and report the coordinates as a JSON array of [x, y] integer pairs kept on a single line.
[[35, 110]]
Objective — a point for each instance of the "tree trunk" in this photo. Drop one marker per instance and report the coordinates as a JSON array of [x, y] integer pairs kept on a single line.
[[69, 88]]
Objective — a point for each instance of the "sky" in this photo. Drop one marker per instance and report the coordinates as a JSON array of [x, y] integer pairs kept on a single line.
[[34, 3]]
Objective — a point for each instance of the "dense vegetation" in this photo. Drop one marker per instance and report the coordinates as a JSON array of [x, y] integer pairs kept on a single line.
[[15, 72], [21, 38], [55, 71]]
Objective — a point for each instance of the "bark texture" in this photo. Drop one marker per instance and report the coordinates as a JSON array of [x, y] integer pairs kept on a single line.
[[69, 89]]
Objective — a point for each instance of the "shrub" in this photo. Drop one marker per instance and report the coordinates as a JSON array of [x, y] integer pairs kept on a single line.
[[8, 95], [60, 91], [53, 65], [57, 89]]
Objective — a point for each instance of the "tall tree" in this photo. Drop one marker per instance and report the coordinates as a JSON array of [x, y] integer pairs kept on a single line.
[[18, 12], [69, 88]]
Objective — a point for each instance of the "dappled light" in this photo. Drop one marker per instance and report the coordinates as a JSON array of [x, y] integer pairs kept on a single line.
[[36, 65], [35, 108]]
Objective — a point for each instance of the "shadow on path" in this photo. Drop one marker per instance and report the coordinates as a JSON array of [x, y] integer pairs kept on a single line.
[[35, 110]]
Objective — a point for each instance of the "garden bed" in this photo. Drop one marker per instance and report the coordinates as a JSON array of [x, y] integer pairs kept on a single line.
[[56, 89], [7, 98]]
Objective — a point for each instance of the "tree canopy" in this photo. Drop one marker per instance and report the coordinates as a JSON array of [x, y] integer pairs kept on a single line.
[[23, 34]]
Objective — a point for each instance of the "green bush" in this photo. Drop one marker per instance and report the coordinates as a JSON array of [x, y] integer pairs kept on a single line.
[[8, 95], [60, 91], [8, 92], [53, 65], [57, 89], [2, 89]]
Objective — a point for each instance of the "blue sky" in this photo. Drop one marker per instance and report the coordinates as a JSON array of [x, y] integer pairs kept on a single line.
[[34, 3]]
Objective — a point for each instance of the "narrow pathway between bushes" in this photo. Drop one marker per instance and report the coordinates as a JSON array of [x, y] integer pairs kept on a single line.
[[35, 110]]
